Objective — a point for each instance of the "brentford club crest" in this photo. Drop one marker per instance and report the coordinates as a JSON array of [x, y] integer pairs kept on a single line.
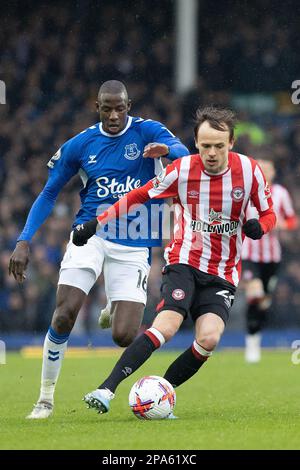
[[237, 193], [267, 191], [159, 178], [178, 294]]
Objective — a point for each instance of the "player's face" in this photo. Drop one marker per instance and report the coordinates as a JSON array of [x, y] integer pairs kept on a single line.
[[213, 146], [113, 111]]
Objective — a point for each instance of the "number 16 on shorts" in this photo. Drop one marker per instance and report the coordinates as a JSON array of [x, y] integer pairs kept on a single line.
[[142, 280]]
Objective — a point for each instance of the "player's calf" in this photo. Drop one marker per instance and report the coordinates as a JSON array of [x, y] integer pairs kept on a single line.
[[127, 317]]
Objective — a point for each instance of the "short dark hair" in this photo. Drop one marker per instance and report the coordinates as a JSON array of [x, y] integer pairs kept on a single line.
[[113, 87], [222, 119]]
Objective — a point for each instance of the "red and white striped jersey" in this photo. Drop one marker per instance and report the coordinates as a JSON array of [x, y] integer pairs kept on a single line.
[[209, 211], [268, 249]]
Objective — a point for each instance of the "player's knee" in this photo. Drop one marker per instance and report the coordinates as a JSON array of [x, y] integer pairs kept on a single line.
[[209, 340], [63, 319], [62, 324], [124, 339]]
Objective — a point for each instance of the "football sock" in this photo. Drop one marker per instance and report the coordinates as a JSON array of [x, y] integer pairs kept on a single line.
[[255, 319], [133, 357], [187, 364], [53, 353]]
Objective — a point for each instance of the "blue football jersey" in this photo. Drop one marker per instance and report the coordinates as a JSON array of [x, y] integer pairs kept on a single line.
[[110, 166]]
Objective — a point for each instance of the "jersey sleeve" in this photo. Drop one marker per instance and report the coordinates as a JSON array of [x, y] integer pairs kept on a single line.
[[162, 186], [62, 166], [154, 131], [262, 199], [66, 161]]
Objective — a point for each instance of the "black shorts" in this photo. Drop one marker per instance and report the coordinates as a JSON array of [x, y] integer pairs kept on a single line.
[[266, 272], [185, 290]]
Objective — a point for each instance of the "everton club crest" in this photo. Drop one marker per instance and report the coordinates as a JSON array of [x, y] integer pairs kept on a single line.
[[131, 152]]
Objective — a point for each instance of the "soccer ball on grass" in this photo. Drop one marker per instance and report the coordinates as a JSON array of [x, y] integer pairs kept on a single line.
[[152, 397]]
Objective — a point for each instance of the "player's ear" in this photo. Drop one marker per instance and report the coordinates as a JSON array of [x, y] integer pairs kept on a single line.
[[231, 144], [129, 105], [97, 105], [196, 144]]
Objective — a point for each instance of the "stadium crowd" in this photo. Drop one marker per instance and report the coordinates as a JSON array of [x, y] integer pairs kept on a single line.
[[53, 59]]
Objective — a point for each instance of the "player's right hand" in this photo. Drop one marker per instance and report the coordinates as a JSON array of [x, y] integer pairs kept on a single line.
[[19, 260], [82, 232]]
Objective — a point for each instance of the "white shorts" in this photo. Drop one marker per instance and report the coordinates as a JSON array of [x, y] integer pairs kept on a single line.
[[125, 269]]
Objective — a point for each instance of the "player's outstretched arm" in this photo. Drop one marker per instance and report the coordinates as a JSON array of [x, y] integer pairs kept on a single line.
[[83, 232], [262, 199], [172, 152], [156, 150], [40, 210], [163, 186], [161, 142]]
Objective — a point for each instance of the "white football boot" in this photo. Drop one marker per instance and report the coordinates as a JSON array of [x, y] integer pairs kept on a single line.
[[253, 349], [99, 399], [172, 416], [41, 410]]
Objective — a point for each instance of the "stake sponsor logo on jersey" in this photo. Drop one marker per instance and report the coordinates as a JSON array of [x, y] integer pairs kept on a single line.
[[115, 188]]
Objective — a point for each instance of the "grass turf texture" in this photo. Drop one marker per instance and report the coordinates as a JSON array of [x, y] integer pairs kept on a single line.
[[227, 405]]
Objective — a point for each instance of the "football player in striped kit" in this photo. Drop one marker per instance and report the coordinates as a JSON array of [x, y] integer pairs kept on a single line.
[[211, 191], [261, 262]]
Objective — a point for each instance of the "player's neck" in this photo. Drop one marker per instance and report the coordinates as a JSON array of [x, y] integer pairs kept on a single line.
[[218, 173]]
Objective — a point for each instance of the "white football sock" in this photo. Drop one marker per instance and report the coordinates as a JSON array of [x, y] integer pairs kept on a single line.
[[53, 353]]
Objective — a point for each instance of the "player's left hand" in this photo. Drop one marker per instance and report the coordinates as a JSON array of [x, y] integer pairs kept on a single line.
[[253, 229], [82, 232], [155, 150]]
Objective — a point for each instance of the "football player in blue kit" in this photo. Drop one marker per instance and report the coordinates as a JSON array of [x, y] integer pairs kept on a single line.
[[112, 157]]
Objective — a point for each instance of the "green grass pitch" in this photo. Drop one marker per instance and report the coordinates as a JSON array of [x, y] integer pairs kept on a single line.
[[227, 405]]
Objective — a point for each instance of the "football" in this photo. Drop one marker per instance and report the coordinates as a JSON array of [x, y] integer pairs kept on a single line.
[[152, 397]]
